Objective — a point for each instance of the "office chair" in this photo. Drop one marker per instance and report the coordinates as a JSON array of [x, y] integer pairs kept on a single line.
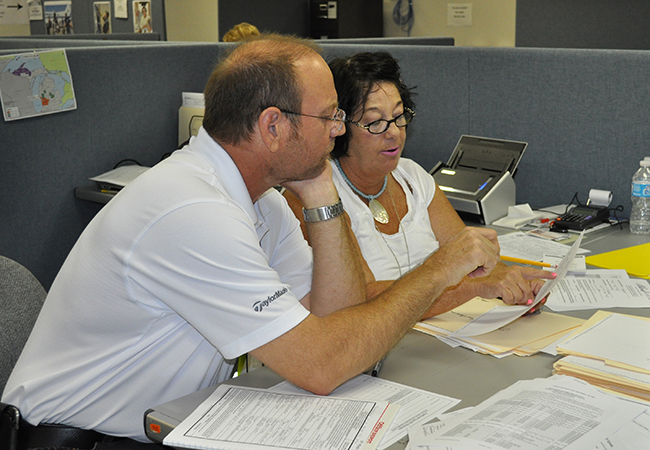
[[21, 299]]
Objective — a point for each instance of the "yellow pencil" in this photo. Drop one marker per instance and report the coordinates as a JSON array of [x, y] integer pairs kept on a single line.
[[527, 261]]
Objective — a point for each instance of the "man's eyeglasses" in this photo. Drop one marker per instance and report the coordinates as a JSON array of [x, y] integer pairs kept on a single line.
[[338, 116], [380, 126]]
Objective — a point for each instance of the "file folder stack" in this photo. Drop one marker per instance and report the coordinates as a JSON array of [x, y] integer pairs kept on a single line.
[[523, 337], [610, 351]]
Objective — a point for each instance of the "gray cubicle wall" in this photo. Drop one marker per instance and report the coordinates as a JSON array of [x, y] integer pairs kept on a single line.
[[603, 24], [128, 100], [584, 114], [48, 42], [416, 40]]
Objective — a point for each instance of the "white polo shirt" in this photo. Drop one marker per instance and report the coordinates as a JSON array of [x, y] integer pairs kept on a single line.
[[176, 276]]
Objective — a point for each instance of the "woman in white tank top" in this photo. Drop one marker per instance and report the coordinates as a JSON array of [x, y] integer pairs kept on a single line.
[[397, 213]]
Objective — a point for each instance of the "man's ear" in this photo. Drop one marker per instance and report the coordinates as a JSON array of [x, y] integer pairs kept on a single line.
[[273, 126]]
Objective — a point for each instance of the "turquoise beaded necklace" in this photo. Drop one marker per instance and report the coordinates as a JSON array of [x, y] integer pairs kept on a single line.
[[376, 208]]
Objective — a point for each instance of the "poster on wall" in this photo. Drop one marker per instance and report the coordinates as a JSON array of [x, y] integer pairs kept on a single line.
[[102, 17], [36, 83], [142, 17], [14, 12], [58, 17], [121, 10], [35, 10]]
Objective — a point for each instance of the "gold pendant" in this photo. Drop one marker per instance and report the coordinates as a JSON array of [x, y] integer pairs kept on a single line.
[[378, 211]]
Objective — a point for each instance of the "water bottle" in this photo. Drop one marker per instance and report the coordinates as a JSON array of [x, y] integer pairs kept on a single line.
[[640, 216]]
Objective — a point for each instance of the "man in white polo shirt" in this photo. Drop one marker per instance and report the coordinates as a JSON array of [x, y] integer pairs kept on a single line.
[[199, 261]]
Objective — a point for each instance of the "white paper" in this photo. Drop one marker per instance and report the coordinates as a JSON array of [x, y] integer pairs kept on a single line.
[[502, 315], [612, 274], [518, 216], [562, 269], [120, 176], [599, 366], [240, 418], [620, 338], [635, 435], [577, 265], [525, 246], [597, 293], [35, 9], [193, 99], [558, 412], [416, 406], [120, 8]]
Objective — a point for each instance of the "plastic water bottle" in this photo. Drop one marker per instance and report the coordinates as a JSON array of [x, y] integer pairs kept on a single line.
[[640, 216]]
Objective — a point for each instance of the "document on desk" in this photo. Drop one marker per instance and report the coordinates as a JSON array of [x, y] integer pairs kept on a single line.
[[594, 293], [558, 412], [633, 436], [623, 382], [502, 315], [524, 246], [240, 418], [619, 340], [416, 406]]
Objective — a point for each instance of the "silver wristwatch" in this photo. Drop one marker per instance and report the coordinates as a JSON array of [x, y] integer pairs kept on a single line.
[[323, 213]]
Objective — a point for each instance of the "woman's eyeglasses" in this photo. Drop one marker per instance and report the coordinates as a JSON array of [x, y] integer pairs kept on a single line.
[[380, 126]]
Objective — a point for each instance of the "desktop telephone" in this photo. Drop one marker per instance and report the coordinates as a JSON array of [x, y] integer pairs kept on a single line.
[[581, 217]]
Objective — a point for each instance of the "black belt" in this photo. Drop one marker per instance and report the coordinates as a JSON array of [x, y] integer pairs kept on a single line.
[[47, 435]]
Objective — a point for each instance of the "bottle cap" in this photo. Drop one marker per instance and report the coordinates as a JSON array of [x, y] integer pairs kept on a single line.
[[645, 163]]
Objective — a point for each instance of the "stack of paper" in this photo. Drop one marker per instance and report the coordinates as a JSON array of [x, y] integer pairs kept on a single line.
[[524, 336], [611, 351], [416, 406], [364, 413], [553, 413], [241, 418]]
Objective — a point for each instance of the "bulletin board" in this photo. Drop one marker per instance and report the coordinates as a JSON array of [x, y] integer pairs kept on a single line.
[[101, 17]]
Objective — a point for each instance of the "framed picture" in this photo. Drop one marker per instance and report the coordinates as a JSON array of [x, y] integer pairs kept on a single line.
[[142, 17], [58, 17], [102, 17]]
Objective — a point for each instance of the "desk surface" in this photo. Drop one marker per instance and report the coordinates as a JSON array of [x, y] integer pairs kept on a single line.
[[422, 361]]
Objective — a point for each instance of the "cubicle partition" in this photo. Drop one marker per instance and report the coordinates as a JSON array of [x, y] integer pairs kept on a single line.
[[127, 108], [584, 114]]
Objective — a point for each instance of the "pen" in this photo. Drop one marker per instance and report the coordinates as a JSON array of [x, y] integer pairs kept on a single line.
[[377, 368], [528, 261]]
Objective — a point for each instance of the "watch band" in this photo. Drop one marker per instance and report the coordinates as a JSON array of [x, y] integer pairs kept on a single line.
[[323, 213]]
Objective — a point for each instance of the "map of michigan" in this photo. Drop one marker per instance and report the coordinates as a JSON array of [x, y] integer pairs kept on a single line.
[[36, 83]]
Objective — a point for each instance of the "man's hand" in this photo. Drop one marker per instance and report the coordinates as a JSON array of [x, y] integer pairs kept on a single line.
[[474, 252], [315, 192], [514, 284]]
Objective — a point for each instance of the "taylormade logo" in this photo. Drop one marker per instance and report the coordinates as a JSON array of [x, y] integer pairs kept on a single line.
[[259, 306]]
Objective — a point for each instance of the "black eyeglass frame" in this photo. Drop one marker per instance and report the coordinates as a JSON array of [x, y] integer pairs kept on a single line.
[[408, 114], [339, 112]]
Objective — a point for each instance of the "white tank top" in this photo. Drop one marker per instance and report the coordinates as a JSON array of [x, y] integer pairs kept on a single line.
[[387, 254]]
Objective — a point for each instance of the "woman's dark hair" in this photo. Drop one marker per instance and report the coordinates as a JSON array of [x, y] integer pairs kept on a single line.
[[355, 77]]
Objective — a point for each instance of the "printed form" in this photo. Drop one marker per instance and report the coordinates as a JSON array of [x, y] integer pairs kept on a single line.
[[593, 293], [559, 412], [416, 406], [239, 418]]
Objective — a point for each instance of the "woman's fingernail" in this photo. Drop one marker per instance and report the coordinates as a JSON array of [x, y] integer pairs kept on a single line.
[[554, 274], [529, 302]]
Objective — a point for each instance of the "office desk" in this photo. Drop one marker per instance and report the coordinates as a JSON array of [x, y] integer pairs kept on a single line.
[[422, 361], [93, 194]]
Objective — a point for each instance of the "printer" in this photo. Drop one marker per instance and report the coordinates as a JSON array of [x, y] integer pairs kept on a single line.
[[478, 178]]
